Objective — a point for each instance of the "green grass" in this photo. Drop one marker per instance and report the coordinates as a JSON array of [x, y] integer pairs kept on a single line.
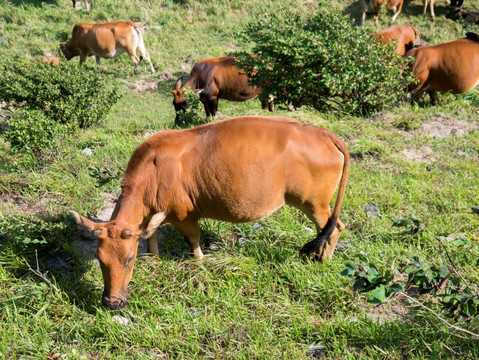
[[254, 298]]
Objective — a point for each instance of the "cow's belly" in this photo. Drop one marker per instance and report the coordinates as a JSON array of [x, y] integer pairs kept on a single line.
[[245, 209]]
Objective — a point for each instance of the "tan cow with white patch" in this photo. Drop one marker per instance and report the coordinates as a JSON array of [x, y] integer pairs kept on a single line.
[[374, 6], [238, 170], [106, 40]]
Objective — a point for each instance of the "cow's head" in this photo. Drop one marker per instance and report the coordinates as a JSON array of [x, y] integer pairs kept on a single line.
[[68, 51], [117, 250], [179, 101]]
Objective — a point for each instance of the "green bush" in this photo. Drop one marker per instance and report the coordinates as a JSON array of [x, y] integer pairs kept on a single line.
[[194, 114], [31, 130], [323, 61], [70, 95]]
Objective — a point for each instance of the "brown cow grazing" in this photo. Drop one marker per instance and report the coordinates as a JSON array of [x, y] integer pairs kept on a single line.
[[453, 4], [374, 6], [449, 67], [106, 40], [213, 79], [405, 35], [238, 170]]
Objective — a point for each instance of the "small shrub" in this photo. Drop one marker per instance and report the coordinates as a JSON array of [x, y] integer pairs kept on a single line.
[[323, 61], [68, 94], [193, 114], [32, 131], [28, 233]]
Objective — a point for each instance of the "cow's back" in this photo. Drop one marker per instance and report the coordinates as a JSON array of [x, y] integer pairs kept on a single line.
[[224, 77], [245, 168], [452, 66]]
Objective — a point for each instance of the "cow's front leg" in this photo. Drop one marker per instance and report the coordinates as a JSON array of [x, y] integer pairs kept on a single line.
[[83, 57], [191, 231], [97, 59]]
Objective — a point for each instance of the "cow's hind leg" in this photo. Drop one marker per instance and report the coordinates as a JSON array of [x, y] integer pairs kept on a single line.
[[323, 245], [135, 60], [144, 53], [191, 231]]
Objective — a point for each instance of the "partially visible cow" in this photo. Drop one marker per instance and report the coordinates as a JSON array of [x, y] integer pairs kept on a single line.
[[405, 35], [87, 4], [449, 67], [238, 170], [453, 4], [373, 7], [457, 13], [106, 40], [213, 79]]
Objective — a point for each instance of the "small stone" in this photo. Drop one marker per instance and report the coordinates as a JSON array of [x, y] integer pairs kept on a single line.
[[214, 247], [308, 229], [193, 311], [87, 151], [316, 350], [257, 226], [121, 320], [372, 210], [242, 241]]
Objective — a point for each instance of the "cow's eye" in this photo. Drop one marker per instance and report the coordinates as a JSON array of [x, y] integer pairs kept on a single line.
[[129, 261]]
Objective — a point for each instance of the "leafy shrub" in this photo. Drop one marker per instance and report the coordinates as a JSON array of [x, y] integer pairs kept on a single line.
[[323, 61], [192, 115], [31, 130], [368, 278], [32, 232], [70, 95]]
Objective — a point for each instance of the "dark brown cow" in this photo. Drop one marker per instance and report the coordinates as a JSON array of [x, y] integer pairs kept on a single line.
[[213, 79], [106, 40], [374, 6], [405, 35], [453, 4], [238, 170], [449, 67]]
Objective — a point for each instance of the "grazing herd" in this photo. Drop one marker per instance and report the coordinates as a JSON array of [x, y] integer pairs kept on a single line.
[[241, 169]]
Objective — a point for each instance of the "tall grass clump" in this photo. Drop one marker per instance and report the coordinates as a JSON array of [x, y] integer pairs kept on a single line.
[[323, 61]]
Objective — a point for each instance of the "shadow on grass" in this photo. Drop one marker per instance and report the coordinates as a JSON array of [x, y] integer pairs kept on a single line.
[[35, 3]]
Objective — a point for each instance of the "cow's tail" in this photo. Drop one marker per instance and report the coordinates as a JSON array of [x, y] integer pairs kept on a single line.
[[418, 38], [327, 230]]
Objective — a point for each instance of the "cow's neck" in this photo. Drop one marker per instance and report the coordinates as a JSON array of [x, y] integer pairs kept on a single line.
[[130, 207]]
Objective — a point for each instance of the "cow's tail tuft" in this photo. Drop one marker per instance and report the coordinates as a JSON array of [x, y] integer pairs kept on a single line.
[[472, 36], [327, 230]]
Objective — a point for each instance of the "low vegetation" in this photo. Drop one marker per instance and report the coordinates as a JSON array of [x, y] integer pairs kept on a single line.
[[320, 61], [410, 208]]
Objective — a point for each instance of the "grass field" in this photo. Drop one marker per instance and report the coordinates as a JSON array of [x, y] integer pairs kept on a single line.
[[252, 297]]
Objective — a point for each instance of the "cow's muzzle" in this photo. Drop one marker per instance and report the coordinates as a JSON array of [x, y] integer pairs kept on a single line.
[[115, 303]]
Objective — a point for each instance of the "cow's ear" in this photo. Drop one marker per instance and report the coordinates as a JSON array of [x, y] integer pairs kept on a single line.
[[178, 84], [153, 224], [87, 224]]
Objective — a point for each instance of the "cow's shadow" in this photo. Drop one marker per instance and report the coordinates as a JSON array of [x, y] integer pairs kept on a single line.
[[36, 3]]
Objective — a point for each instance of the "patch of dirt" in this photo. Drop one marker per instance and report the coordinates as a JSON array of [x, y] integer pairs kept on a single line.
[[9, 201], [165, 76], [142, 85], [423, 155], [446, 126], [231, 47], [388, 312]]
